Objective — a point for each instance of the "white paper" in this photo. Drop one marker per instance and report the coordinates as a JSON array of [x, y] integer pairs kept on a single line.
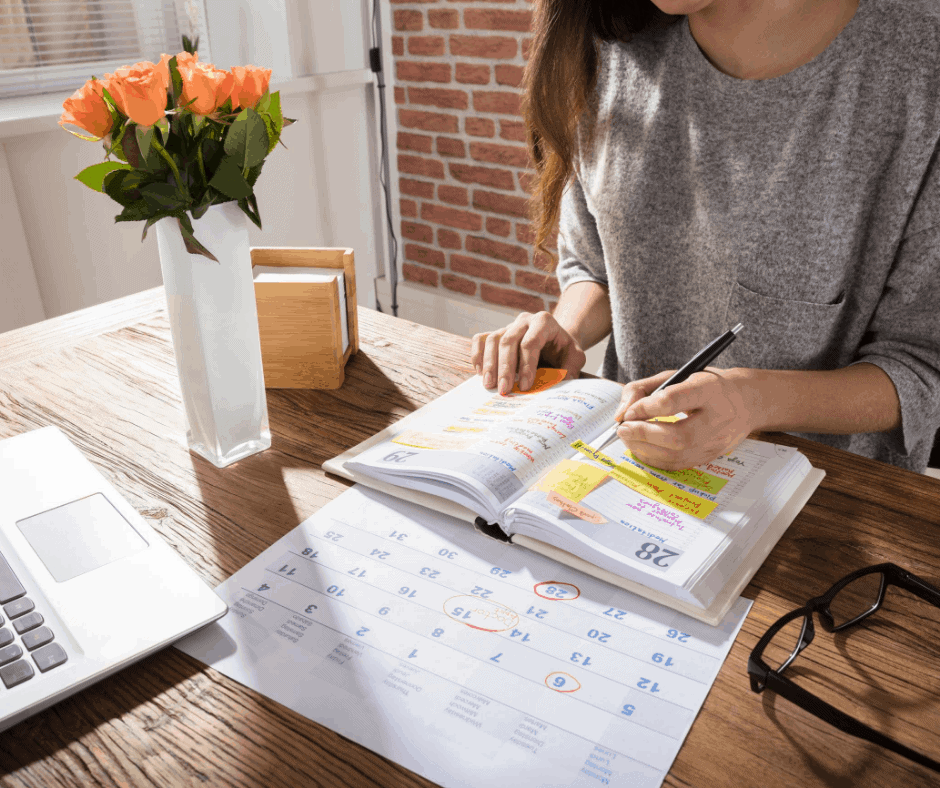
[[467, 660]]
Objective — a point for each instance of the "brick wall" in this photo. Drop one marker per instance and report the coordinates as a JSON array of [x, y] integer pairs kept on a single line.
[[462, 160]]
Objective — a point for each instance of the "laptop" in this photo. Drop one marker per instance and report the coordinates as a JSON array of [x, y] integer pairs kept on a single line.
[[87, 587]]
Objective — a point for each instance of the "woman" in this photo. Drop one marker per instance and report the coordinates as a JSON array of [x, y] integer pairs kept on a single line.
[[769, 162]]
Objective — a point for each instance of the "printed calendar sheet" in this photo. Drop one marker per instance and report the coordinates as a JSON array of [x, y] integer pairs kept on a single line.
[[469, 661]]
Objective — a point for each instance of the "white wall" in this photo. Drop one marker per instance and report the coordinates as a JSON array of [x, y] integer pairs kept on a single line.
[[62, 249]]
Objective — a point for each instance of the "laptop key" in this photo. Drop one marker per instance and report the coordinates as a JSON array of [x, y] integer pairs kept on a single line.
[[49, 657], [27, 622], [10, 653], [6, 637], [19, 607], [16, 673], [36, 638], [10, 586]]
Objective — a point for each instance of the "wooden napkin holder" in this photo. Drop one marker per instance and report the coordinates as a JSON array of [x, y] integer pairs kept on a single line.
[[300, 322]]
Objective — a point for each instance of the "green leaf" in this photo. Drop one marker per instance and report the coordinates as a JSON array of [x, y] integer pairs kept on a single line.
[[93, 176], [247, 139], [122, 186], [164, 125], [162, 197], [253, 173], [189, 239], [176, 81], [148, 224], [134, 212], [229, 180], [250, 208]]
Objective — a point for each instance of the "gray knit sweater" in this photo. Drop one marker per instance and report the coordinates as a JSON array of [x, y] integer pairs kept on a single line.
[[806, 207]]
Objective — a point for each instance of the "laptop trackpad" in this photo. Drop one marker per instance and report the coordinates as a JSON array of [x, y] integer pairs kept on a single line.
[[80, 536]]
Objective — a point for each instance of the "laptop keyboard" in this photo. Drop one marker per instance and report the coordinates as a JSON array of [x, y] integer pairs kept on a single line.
[[25, 642]]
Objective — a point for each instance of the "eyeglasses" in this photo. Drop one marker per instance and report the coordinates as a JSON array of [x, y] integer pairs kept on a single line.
[[851, 600]]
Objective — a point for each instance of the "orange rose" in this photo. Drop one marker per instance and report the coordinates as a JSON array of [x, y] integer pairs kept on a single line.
[[87, 109], [205, 83], [250, 84], [139, 91]]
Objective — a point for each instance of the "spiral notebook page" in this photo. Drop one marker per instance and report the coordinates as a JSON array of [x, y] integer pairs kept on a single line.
[[467, 660]]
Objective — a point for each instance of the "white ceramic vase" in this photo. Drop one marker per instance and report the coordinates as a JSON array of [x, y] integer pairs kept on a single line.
[[214, 324]]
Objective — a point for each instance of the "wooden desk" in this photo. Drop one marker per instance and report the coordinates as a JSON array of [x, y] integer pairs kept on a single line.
[[107, 377]]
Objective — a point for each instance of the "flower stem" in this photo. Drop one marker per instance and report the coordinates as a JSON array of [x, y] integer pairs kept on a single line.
[[202, 166], [169, 160]]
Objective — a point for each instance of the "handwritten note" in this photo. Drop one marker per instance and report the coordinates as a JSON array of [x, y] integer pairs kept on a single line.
[[470, 662]]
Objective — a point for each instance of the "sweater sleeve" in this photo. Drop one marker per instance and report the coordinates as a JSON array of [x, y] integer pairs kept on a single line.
[[580, 253]]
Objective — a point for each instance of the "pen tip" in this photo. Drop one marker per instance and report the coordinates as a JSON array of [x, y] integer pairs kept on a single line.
[[737, 328]]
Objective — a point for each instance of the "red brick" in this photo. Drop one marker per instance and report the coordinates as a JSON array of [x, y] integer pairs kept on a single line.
[[456, 195], [422, 254], [417, 232], [415, 273], [509, 75], [495, 272], [512, 130], [513, 298], [479, 127], [398, 46], [448, 239], [417, 142], [452, 217], [416, 188], [426, 45], [499, 47], [486, 176], [507, 155], [399, 95], [543, 283], [428, 121], [526, 234], [406, 19], [447, 146], [458, 284], [415, 165], [527, 182], [408, 207], [501, 251], [485, 19], [498, 226], [466, 73], [500, 203], [439, 97], [408, 71], [496, 101], [444, 19]]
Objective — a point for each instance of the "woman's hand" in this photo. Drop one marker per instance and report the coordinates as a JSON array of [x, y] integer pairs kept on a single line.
[[512, 353], [718, 419]]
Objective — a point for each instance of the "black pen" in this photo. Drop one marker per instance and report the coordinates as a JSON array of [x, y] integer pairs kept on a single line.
[[702, 359]]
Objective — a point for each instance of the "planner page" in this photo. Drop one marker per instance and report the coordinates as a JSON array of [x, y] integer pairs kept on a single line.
[[470, 661]]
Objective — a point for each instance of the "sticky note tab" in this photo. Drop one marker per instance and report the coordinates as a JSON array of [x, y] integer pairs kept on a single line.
[[692, 477], [581, 512], [545, 378]]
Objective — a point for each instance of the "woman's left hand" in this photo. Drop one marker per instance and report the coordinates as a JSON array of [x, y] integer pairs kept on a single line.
[[717, 419]]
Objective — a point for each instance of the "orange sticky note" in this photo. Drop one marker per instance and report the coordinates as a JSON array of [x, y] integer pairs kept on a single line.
[[545, 378]]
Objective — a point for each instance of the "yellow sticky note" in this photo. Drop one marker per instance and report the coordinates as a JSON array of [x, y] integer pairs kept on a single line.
[[694, 478], [545, 378], [572, 479]]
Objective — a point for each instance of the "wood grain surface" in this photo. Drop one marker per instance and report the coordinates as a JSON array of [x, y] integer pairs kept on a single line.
[[106, 376]]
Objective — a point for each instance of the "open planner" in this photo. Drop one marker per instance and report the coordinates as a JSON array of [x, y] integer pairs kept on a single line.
[[544, 469]]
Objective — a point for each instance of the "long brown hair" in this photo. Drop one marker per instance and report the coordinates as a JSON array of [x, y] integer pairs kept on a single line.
[[559, 83]]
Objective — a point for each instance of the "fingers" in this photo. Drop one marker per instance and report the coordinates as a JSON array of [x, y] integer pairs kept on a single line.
[[512, 354], [683, 397], [638, 389]]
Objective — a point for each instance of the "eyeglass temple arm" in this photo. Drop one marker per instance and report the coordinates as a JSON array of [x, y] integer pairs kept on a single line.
[[922, 589], [841, 720]]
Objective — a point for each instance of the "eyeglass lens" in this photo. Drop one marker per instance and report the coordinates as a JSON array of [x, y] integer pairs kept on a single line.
[[856, 599], [783, 647]]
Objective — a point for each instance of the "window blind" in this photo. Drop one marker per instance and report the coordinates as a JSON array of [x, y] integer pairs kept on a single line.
[[51, 46]]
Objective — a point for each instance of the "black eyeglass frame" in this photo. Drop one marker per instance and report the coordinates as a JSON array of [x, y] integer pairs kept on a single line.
[[764, 677]]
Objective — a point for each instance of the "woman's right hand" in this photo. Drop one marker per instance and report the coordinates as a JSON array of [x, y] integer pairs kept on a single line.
[[512, 353]]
